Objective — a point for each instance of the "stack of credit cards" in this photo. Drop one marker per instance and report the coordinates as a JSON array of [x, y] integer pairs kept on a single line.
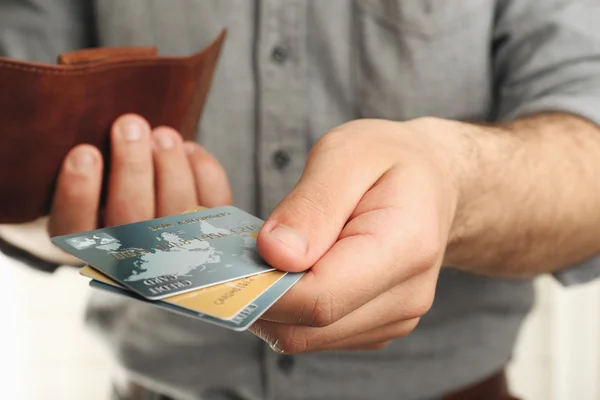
[[203, 264]]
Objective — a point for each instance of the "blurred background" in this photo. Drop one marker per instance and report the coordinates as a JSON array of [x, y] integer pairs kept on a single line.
[[46, 352]]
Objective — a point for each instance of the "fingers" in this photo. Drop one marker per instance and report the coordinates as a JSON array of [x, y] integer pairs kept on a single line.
[[76, 199], [212, 185], [131, 183], [175, 187], [382, 319], [152, 174], [291, 339], [374, 339], [308, 221], [378, 249]]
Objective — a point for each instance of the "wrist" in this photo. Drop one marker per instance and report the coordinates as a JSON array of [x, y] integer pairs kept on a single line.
[[458, 149]]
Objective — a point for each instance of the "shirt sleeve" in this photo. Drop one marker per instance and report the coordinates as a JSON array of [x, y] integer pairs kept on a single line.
[[39, 30], [547, 59]]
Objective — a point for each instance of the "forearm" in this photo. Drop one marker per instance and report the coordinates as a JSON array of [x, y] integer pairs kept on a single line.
[[529, 196]]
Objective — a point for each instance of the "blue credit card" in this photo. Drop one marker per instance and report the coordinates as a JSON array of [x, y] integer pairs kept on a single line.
[[172, 255], [240, 322]]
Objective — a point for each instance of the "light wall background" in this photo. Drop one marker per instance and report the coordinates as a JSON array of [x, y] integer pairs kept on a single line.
[[46, 353]]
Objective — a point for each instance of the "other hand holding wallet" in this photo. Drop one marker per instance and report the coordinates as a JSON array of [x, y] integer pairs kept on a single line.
[[45, 110]]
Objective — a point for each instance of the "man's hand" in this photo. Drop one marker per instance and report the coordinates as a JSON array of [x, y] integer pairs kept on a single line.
[[153, 173], [381, 205], [370, 217]]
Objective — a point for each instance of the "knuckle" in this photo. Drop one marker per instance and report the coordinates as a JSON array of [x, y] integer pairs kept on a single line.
[[414, 305], [411, 325], [330, 141], [422, 306], [420, 303], [312, 207], [397, 330], [340, 140], [427, 251], [138, 162], [291, 343], [121, 212], [323, 312], [77, 194], [404, 328], [299, 313]]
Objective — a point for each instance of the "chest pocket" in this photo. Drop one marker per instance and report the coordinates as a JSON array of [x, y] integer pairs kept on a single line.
[[423, 57]]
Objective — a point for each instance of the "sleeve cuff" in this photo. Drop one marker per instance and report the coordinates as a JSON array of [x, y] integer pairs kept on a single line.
[[580, 105], [30, 243], [27, 258], [584, 107]]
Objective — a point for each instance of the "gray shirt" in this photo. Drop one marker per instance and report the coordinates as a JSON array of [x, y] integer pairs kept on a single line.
[[290, 70]]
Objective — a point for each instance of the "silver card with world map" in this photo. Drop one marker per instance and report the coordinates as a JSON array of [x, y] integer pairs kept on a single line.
[[171, 255]]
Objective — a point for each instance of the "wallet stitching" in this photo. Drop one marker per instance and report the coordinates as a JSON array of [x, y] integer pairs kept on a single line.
[[98, 68], [184, 62]]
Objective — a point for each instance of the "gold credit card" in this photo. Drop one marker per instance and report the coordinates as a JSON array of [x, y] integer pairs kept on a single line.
[[223, 301]]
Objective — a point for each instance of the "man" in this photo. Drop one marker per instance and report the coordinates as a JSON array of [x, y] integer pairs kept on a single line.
[[394, 186]]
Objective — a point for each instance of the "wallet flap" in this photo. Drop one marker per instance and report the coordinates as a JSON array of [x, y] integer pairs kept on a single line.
[[86, 56]]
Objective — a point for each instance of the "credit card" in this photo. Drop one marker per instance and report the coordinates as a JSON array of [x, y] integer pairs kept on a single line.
[[222, 301], [240, 322], [172, 255]]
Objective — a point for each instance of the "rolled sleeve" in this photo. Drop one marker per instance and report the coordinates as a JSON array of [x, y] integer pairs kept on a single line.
[[547, 59], [584, 272]]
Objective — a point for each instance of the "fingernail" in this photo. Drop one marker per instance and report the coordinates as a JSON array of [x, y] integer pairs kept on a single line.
[[131, 130], [163, 140], [82, 162], [291, 237]]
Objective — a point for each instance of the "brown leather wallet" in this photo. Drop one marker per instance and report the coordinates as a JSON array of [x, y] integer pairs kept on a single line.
[[46, 110]]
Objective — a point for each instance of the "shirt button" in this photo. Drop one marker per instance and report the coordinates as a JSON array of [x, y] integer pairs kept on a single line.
[[281, 159], [279, 54], [285, 362]]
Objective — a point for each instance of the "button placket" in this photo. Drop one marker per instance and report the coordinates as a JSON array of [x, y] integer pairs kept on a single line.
[[283, 122], [283, 118]]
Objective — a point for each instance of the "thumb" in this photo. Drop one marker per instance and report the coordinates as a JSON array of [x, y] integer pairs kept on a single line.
[[309, 219], [76, 198]]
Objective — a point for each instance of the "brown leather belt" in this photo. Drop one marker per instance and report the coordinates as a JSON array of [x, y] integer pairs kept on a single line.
[[494, 387]]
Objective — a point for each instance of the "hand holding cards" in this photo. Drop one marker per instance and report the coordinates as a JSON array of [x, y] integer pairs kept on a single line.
[[202, 264]]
